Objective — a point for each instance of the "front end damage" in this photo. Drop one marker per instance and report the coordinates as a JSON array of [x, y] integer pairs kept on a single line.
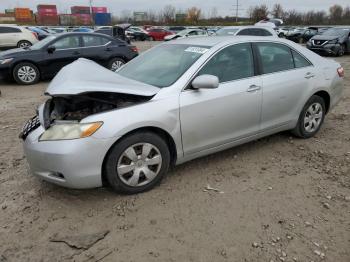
[[77, 107]]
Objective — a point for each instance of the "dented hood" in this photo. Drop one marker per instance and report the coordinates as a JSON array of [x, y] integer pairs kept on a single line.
[[84, 76]]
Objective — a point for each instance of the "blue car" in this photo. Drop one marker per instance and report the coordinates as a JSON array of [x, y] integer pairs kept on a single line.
[[41, 33]]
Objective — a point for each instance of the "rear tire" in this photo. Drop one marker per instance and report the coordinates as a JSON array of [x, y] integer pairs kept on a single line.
[[24, 44], [311, 118], [26, 74], [115, 63], [128, 168]]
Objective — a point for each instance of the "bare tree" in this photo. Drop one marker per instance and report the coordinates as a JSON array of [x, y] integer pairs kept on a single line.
[[346, 15], [259, 12], [193, 14], [277, 11], [152, 16], [213, 13], [335, 13], [168, 13], [125, 15]]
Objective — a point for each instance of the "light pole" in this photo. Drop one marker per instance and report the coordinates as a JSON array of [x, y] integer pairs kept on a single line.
[[91, 14]]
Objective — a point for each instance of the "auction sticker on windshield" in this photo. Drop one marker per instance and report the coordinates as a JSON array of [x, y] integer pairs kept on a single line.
[[195, 49]]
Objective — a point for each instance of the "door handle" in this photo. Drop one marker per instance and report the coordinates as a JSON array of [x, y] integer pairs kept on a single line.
[[309, 75], [253, 88], [76, 53], [108, 49]]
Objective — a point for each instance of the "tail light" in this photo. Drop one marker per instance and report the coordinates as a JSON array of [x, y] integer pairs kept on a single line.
[[134, 49], [36, 35], [340, 71]]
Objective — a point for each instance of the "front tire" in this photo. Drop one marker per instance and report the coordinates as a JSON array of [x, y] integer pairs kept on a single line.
[[26, 74], [341, 51], [311, 118], [137, 163]]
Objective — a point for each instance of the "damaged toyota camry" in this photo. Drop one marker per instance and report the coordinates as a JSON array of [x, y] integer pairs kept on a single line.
[[178, 101]]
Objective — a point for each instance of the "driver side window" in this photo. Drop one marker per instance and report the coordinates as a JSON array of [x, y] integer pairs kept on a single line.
[[232, 63], [67, 42]]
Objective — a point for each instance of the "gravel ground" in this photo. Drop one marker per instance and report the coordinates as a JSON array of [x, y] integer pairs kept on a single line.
[[284, 199]]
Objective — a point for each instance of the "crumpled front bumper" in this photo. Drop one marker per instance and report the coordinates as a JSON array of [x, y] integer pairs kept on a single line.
[[332, 49], [70, 163]]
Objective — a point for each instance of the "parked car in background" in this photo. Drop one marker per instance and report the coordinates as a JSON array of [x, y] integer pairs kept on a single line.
[[247, 30], [302, 35], [83, 30], [16, 36], [116, 31], [270, 22], [334, 41], [137, 35], [284, 31], [176, 29], [45, 58], [41, 33], [187, 33], [58, 30], [158, 34], [125, 130]]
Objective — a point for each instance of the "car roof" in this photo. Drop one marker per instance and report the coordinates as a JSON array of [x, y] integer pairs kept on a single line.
[[212, 41]]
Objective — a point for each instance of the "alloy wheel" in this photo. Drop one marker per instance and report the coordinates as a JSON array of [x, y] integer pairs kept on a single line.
[[24, 44], [26, 74], [313, 117], [116, 65], [139, 164]]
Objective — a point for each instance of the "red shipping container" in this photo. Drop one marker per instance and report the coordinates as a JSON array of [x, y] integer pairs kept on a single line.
[[97, 10], [83, 19], [80, 10], [47, 19]]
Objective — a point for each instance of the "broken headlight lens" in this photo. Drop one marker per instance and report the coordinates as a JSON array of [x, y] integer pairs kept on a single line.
[[5, 61], [70, 131]]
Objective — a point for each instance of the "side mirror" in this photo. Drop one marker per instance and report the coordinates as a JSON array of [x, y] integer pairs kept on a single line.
[[51, 49], [205, 82]]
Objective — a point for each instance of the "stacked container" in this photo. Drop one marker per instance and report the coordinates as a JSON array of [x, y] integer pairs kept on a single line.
[[82, 19], [23, 15], [80, 10], [68, 20], [99, 10], [47, 15], [102, 19]]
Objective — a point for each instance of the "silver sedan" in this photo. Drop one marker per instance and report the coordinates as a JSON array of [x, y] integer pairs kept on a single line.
[[178, 101]]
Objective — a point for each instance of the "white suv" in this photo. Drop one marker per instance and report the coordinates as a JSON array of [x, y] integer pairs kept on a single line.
[[16, 36]]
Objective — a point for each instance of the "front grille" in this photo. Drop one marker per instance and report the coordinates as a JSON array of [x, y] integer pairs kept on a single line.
[[29, 126], [319, 42]]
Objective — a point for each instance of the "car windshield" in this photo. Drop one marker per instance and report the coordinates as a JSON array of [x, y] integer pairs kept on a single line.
[[227, 31], [43, 42], [336, 31], [163, 65], [184, 32]]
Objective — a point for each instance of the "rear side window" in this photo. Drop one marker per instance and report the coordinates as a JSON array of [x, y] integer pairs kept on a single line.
[[262, 32], [90, 41], [275, 57], [6, 30], [299, 60], [67, 42], [245, 32], [232, 63]]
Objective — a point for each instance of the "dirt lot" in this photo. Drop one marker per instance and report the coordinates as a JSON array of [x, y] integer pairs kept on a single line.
[[284, 199]]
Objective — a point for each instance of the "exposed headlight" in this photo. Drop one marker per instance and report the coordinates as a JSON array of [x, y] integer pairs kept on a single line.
[[70, 131], [5, 61], [333, 41]]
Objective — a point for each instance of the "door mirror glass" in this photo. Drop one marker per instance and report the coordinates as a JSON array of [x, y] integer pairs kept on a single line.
[[51, 49], [205, 82]]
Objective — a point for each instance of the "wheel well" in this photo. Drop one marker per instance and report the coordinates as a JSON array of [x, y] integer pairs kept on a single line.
[[326, 97], [25, 61], [156, 130]]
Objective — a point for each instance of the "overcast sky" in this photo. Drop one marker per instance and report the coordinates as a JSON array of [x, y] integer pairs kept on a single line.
[[224, 7]]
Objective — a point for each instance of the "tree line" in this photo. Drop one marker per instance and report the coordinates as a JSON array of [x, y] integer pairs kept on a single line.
[[336, 15]]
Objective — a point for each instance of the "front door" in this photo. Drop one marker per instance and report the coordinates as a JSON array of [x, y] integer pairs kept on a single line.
[[68, 49], [214, 117]]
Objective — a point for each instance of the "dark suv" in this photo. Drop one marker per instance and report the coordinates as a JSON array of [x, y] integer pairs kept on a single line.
[[334, 41]]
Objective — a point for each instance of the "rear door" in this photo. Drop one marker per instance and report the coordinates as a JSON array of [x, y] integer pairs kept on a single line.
[[97, 48], [68, 49], [286, 77]]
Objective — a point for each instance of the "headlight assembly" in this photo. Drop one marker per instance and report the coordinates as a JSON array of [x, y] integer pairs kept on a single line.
[[5, 61], [70, 131], [333, 41]]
